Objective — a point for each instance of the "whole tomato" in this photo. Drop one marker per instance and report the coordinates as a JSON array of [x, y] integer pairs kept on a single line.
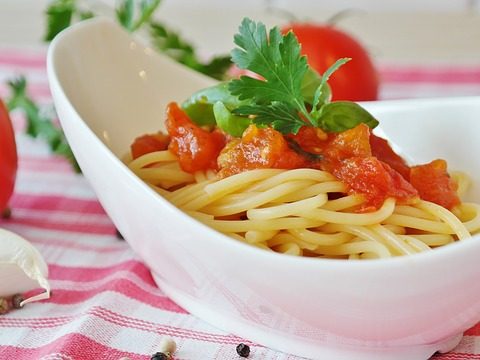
[[357, 80], [8, 158]]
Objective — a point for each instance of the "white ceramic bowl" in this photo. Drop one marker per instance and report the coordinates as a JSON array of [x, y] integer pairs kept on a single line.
[[108, 88]]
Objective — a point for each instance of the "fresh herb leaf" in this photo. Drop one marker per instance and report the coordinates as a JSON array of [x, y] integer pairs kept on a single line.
[[85, 14], [228, 122], [281, 116], [317, 98], [125, 12], [199, 106], [311, 82], [217, 67], [134, 15], [343, 115], [59, 16], [277, 59], [280, 99], [38, 124], [172, 44]]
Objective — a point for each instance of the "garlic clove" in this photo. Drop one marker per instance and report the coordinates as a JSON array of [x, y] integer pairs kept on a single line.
[[22, 267]]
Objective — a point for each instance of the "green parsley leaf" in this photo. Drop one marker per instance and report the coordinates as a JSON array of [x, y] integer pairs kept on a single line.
[[343, 115], [289, 84], [281, 116], [38, 124], [276, 58], [59, 16]]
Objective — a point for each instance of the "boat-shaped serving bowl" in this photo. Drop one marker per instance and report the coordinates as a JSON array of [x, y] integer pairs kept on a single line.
[[109, 88]]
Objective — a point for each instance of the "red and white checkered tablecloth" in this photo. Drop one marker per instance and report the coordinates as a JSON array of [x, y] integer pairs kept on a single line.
[[105, 304]]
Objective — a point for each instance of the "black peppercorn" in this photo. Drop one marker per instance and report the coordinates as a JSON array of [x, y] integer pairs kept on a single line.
[[243, 350], [17, 301], [160, 356]]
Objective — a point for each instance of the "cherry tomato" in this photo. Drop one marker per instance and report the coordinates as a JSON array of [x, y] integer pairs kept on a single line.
[[8, 157], [356, 80]]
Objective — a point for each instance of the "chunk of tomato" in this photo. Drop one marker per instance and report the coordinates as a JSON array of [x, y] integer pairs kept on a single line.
[[382, 150], [435, 184], [374, 179], [149, 143], [259, 148], [197, 149]]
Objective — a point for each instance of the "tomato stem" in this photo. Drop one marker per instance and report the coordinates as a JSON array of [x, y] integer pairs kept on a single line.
[[343, 14]]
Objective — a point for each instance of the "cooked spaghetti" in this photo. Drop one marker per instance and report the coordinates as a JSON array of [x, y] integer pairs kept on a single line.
[[292, 211], [274, 163]]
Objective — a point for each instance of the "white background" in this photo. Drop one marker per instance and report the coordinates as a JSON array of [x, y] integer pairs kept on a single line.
[[445, 31]]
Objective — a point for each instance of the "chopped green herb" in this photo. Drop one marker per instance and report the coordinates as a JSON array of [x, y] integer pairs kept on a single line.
[[38, 124]]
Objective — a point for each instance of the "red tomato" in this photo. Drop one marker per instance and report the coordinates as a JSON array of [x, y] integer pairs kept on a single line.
[[356, 80], [8, 157]]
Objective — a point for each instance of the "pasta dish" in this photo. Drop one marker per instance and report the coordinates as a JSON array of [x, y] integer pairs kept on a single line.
[[272, 162]]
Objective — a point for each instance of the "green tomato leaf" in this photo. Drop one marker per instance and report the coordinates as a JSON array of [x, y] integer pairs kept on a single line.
[[231, 124], [343, 115]]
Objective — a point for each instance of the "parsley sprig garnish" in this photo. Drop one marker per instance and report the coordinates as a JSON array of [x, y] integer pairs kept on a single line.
[[278, 100]]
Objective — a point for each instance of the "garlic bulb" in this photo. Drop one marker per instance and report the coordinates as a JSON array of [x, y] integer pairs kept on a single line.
[[22, 268]]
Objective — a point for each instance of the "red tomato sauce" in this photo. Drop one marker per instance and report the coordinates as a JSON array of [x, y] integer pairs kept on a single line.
[[149, 143], [435, 184], [365, 163], [196, 148]]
